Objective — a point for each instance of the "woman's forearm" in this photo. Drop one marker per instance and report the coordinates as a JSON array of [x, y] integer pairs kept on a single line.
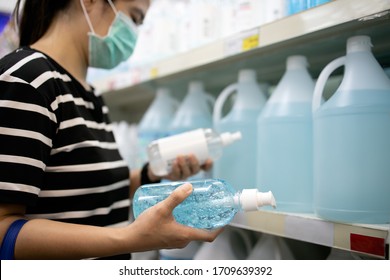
[[46, 239], [154, 229]]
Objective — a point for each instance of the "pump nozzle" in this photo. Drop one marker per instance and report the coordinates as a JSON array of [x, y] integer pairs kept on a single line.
[[252, 199], [228, 138]]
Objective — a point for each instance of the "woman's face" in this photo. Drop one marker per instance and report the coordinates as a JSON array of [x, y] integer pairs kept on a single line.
[[102, 15]]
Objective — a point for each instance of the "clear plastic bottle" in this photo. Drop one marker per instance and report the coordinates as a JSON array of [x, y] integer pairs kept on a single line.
[[212, 204], [204, 143]]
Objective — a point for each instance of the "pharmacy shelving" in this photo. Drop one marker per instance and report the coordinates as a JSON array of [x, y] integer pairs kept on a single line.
[[320, 34], [365, 239]]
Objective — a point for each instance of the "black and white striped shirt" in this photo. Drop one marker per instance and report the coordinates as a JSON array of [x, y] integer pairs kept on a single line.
[[58, 154]]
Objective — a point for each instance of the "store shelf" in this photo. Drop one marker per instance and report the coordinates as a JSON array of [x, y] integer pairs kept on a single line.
[[319, 33], [370, 240]]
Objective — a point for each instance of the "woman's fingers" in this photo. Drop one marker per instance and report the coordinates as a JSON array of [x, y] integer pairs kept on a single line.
[[178, 196]]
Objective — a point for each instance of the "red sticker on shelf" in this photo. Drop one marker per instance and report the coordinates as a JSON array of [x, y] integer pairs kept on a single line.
[[368, 244]]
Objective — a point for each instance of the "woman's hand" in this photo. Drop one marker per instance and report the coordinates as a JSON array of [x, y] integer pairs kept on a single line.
[[156, 227], [183, 167]]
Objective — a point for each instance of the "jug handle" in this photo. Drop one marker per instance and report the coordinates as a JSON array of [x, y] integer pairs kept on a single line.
[[217, 114], [321, 81]]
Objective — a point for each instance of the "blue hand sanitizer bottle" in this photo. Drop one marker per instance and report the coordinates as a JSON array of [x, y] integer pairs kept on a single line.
[[212, 204]]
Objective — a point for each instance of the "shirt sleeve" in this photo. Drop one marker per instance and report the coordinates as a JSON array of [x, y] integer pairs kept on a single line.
[[27, 126]]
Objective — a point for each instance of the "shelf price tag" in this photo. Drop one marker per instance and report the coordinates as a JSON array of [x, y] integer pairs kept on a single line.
[[154, 73], [242, 42], [250, 42], [368, 244]]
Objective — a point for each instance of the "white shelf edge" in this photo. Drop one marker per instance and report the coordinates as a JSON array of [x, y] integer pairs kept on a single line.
[[310, 228]]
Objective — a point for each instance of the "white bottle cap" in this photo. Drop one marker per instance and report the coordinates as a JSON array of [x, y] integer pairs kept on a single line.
[[252, 199], [196, 86], [247, 75], [228, 138], [296, 62], [360, 43]]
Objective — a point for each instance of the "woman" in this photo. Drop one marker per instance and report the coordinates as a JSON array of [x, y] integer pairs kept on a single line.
[[60, 167]]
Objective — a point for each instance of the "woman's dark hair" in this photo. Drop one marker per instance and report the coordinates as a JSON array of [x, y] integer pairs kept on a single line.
[[36, 17]]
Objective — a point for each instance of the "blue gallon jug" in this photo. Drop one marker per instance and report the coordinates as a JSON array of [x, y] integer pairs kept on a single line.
[[238, 162], [195, 111], [352, 140], [156, 121], [285, 139]]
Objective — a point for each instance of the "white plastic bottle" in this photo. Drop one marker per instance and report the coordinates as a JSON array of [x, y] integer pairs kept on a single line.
[[204, 143], [212, 204]]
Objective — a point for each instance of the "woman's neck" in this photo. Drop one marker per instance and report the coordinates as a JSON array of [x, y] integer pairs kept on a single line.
[[66, 42]]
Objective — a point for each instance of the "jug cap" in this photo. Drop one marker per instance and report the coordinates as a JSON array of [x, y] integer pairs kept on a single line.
[[228, 138], [246, 75], [252, 199], [360, 43], [296, 62], [163, 91], [195, 86]]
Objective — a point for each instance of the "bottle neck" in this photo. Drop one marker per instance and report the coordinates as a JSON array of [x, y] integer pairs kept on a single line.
[[362, 72], [249, 96]]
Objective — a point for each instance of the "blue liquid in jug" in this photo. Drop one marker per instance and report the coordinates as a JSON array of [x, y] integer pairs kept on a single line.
[[352, 148], [238, 162], [209, 206], [285, 155], [145, 137]]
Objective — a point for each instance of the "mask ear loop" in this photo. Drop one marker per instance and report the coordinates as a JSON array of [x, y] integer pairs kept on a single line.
[[113, 6], [87, 17]]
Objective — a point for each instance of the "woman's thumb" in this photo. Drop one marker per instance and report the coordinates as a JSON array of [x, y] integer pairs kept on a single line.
[[178, 196]]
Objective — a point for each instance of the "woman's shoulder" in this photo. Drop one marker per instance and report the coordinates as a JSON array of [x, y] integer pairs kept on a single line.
[[26, 65], [25, 60]]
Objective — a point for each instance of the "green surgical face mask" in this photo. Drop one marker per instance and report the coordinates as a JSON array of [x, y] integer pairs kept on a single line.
[[117, 46]]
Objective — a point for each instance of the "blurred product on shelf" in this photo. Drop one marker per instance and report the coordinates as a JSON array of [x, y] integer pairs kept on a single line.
[[297, 6], [270, 247], [186, 253], [9, 40], [156, 121], [231, 244], [238, 163], [284, 153], [351, 140], [172, 27], [127, 140]]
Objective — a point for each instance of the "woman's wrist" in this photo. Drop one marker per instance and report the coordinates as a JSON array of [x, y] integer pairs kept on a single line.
[[147, 175]]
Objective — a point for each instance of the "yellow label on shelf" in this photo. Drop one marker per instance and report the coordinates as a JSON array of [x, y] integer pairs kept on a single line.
[[242, 42], [250, 42], [153, 73]]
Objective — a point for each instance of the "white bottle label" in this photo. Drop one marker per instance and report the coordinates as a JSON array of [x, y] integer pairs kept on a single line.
[[193, 142]]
